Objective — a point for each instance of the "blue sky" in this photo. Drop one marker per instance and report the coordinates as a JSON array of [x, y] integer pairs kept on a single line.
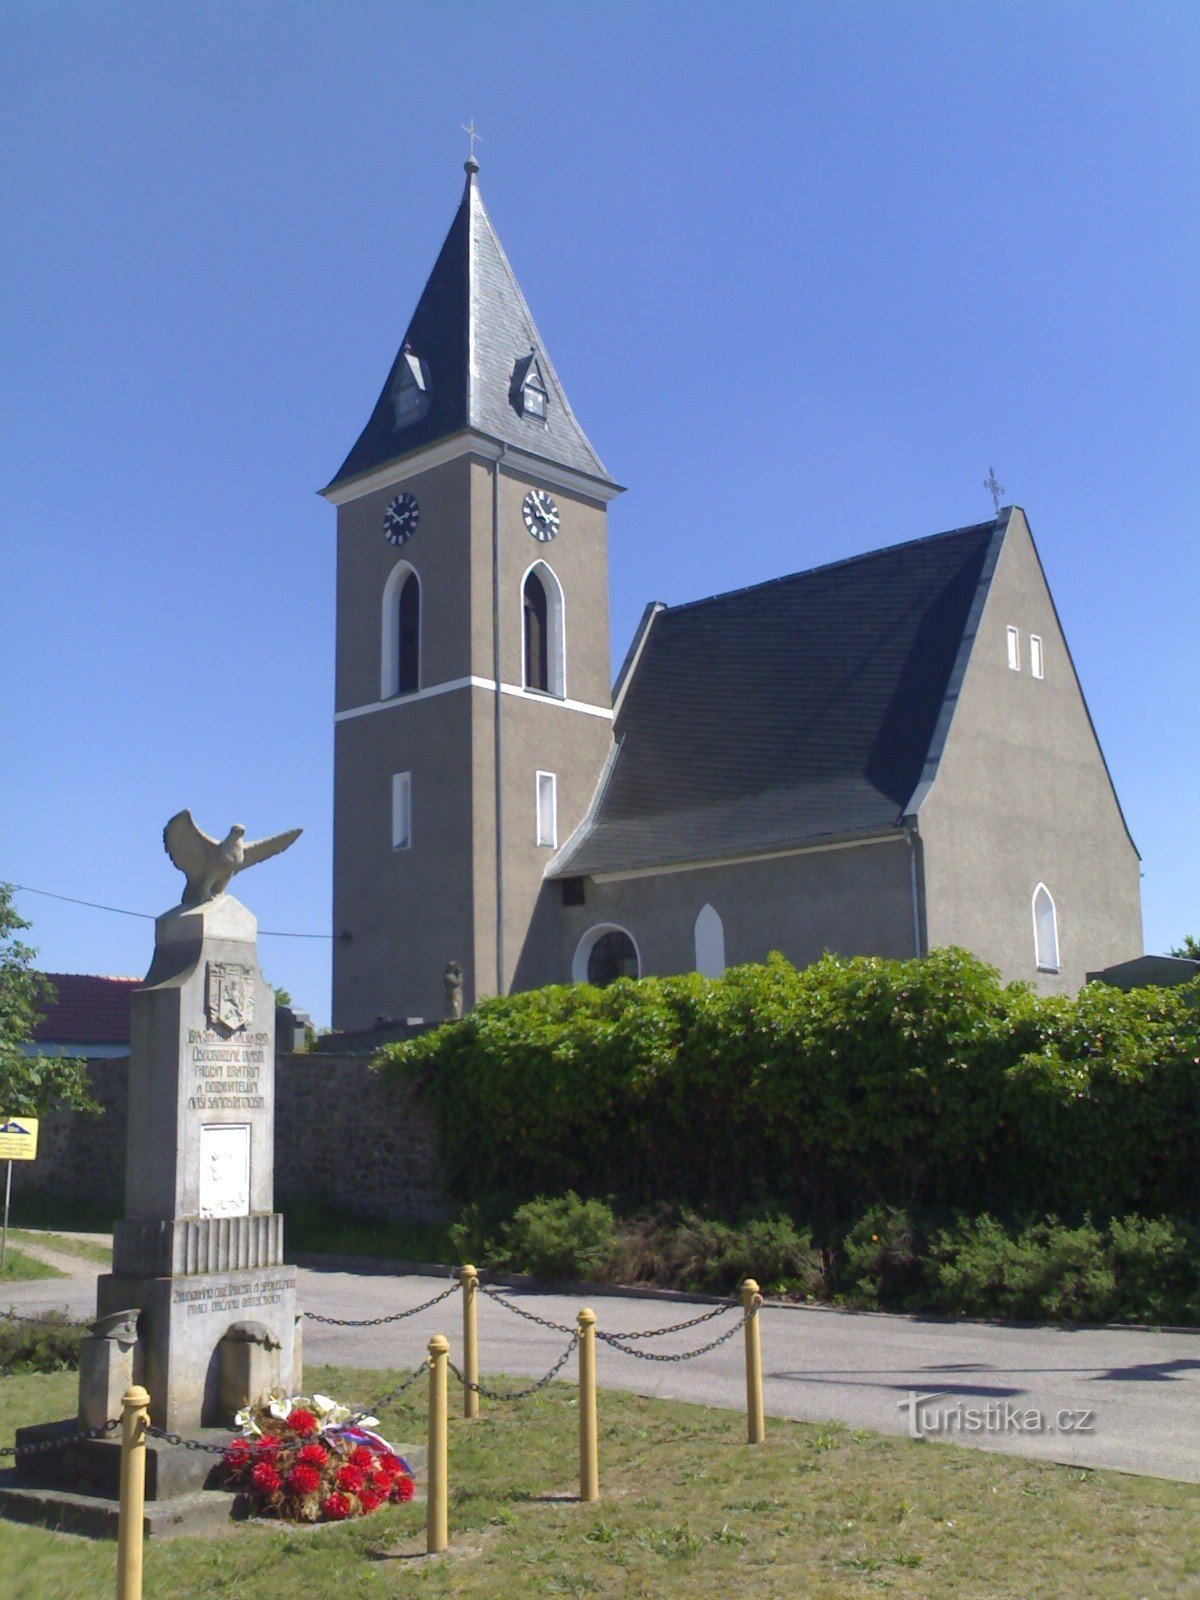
[[807, 271]]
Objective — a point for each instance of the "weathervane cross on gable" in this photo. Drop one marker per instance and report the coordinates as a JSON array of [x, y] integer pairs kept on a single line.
[[471, 135], [993, 488]]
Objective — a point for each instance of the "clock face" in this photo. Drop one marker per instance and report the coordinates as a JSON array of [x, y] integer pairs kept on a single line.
[[401, 518], [541, 514]]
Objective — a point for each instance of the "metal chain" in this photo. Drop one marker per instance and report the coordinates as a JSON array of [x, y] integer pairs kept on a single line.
[[613, 1340], [378, 1322], [518, 1311], [518, 1394], [679, 1327], [186, 1444], [393, 1394], [44, 1446]]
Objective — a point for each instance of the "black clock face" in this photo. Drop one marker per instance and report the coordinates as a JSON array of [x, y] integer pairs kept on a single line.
[[401, 518], [541, 514]]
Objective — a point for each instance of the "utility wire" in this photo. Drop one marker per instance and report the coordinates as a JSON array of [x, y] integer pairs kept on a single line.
[[94, 905]]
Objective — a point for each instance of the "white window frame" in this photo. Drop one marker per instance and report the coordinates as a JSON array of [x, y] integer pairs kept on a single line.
[[1037, 656], [708, 934], [556, 622], [583, 950], [389, 632], [1046, 960], [545, 801], [1012, 638], [401, 810]]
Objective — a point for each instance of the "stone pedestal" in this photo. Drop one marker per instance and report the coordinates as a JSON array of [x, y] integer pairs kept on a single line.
[[199, 1306]]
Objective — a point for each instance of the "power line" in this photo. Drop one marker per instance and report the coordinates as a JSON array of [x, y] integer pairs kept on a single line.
[[119, 911]]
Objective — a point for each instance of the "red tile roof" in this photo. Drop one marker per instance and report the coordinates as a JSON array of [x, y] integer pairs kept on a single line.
[[88, 1010]]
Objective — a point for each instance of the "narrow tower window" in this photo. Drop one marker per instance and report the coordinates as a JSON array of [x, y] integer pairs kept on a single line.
[[537, 642], [1013, 635], [408, 665], [1045, 930], [710, 943], [1036, 663], [547, 809], [401, 810]]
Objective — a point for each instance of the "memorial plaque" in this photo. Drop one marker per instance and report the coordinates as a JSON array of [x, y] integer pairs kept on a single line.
[[225, 1170]]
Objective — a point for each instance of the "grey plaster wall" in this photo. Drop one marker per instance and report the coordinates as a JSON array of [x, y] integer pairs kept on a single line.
[[340, 1135], [1022, 796], [852, 900]]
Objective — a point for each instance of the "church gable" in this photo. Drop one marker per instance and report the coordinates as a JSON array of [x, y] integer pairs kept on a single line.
[[797, 712]]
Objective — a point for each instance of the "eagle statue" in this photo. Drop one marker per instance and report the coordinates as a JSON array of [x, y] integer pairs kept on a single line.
[[208, 864]]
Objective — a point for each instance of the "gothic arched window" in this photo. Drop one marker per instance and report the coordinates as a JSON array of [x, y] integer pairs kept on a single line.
[[1045, 930], [400, 633], [537, 640]]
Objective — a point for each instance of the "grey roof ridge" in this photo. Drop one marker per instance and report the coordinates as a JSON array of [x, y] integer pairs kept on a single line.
[[842, 561], [558, 863], [535, 335], [799, 843], [472, 432], [941, 728], [633, 655]]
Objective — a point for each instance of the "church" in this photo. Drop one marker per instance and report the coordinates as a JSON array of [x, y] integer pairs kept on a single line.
[[879, 756]]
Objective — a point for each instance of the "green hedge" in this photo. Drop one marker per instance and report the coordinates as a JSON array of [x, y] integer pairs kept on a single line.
[[852, 1083]]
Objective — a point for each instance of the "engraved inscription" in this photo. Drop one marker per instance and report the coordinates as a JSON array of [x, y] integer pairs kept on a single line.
[[226, 1074], [233, 1296]]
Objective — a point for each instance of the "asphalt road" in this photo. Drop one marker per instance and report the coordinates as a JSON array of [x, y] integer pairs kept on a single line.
[[1133, 1396]]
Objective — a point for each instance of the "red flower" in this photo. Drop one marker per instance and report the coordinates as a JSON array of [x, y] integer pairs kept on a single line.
[[360, 1456], [302, 1422], [403, 1488], [369, 1501], [337, 1507], [312, 1455], [303, 1479], [267, 1444], [388, 1465], [237, 1455], [264, 1478], [351, 1478]]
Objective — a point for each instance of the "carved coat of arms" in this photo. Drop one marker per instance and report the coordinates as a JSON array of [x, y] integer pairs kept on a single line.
[[230, 996]]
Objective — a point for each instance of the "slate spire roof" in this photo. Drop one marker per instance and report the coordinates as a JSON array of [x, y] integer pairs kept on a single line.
[[470, 331], [805, 710]]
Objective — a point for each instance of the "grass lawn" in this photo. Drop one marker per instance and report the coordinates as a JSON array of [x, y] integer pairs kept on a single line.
[[18, 1266], [85, 1249], [818, 1512]]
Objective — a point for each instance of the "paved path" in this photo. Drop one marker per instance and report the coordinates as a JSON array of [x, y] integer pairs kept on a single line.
[[1140, 1390]]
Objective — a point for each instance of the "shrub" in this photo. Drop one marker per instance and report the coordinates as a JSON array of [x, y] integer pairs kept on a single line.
[[48, 1345], [1156, 1270], [1046, 1272], [881, 1260], [561, 1238]]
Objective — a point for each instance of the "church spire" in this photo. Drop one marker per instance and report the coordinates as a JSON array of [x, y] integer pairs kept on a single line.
[[472, 359]]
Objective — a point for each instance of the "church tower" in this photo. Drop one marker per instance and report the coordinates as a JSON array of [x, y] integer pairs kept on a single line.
[[473, 700]]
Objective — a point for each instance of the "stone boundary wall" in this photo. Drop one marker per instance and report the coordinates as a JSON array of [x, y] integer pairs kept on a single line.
[[342, 1137]]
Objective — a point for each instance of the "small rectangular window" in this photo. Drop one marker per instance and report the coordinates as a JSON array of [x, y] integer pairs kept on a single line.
[[1035, 656], [1014, 648], [547, 809], [401, 810]]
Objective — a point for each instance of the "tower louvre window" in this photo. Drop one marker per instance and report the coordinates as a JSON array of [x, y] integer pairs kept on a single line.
[[537, 635], [408, 665], [527, 389], [401, 810]]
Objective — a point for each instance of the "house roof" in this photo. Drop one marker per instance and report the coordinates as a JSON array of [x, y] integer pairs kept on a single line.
[[470, 329], [803, 710], [88, 1010]]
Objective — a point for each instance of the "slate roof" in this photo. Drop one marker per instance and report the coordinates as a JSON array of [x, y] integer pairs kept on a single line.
[[88, 1010], [470, 329], [802, 710]]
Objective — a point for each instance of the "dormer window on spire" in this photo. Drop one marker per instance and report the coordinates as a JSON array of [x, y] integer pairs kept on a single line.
[[410, 392], [527, 390]]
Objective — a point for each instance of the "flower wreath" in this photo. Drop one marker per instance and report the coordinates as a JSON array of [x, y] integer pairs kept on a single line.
[[307, 1459]]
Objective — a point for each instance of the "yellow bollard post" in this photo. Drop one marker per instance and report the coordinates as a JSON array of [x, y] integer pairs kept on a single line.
[[469, 1278], [131, 1518], [437, 1535], [751, 1300], [589, 1456]]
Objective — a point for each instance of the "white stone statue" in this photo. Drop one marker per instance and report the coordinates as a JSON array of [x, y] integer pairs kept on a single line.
[[209, 864]]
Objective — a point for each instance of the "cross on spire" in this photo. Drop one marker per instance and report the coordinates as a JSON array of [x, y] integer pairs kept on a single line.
[[471, 135], [993, 488]]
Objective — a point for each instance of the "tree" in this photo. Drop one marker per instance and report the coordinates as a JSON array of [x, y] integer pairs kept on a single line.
[[1189, 949], [30, 1084]]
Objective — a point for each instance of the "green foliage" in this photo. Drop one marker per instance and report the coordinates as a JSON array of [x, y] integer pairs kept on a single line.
[[30, 1085], [1045, 1273], [712, 1257], [925, 1085], [560, 1238], [881, 1260], [49, 1345], [1189, 949]]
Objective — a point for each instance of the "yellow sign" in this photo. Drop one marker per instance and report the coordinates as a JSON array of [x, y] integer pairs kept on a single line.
[[18, 1138]]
